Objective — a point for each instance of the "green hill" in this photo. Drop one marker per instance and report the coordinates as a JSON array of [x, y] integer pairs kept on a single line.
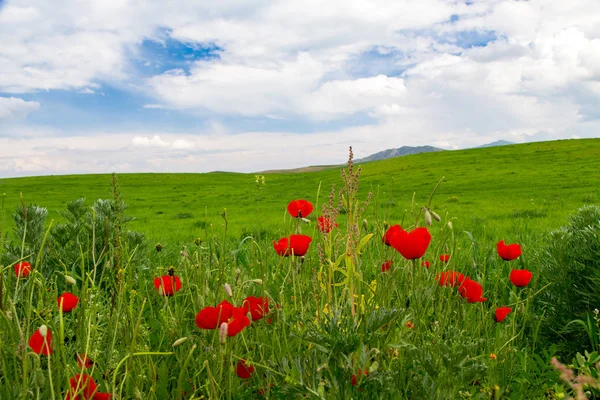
[[521, 188]]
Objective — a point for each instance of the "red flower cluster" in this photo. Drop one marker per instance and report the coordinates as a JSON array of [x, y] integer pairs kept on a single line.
[[426, 264], [296, 245], [224, 312], [411, 245], [22, 269], [300, 208], [508, 252], [67, 301], [386, 265], [450, 278], [167, 285], [445, 258], [324, 224], [472, 291], [83, 387], [355, 377]]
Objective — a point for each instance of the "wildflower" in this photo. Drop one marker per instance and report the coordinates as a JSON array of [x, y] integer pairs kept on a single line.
[[40, 341], [296, 245], [493, 356], [409, 325], [102, 396], [82, 387], [358, 375], [502, 313], [324, 224], [426, 264], [450, 278], [223, 313], [67, 302], [243, 369], [84, 361], [520, 277], [411, 245], [22, 269], [471, 291], [508, 252], [256, 306], [445, 257], [392, 231], [300, 208], [386, 265], [167, 285]]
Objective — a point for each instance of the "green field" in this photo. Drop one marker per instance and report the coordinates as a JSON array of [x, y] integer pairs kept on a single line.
[[334, 324], [528, 187]]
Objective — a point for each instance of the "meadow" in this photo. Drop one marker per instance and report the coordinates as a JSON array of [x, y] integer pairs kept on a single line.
[[213, 286]]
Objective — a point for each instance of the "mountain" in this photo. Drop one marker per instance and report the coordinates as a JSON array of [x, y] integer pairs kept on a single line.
[[496, 143], [401, 151]]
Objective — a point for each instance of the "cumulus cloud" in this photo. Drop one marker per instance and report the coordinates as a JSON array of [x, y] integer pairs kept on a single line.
[[156, 142], [13, 108]]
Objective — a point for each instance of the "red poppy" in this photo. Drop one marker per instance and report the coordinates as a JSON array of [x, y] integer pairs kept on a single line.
[[450, 278], [224, 312], [22, 269], [258, 307], [68, 300], [243, 369], [296, 245], [413, 244], [508, 252], [358, 375], [324, 224], [84, 361], [82, 387], [520, 277], [386, 265], [213, 317], [502, 313], [102, 396], [445, 257], [167, 285], [40, 341], [392, 231], [300, 208], [426, 264], [471, 291]]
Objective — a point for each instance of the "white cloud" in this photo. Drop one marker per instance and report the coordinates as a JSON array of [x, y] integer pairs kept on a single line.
[[153, 106], [156, 142], [13, 108]]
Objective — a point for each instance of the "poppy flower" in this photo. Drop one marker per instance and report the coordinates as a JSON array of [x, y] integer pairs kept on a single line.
[[520, 277], [392, 231], [238, 321], [386, 265], [81, 387], [324, 224], [413, 244], [22, 269], [450, 278], [471, 291], [296, 245], [102, 396], [300, 208], [212, 317], [84, 361], [426, 264], [68, 301], [256, 306], [40, 341], [244, 370], [502, 313], [167, 285], [445, 257], [508, 252], [358, 375]]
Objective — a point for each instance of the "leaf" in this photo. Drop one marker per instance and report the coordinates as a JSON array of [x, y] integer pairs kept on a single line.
[[363, 242]]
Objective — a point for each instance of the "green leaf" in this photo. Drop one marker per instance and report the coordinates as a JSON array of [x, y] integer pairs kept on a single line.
[[363, 242]]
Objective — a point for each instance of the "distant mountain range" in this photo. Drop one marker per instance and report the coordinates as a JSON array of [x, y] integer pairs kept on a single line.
[[496, 143], [398, 152]]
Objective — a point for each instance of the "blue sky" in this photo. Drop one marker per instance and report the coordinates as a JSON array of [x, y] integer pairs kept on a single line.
[[251, 85]]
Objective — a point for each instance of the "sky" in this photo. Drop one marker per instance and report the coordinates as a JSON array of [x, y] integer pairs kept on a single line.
[[90, 86]]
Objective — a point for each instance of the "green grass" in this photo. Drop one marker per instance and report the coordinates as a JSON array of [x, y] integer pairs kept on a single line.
[[527, 187], [332, 313]]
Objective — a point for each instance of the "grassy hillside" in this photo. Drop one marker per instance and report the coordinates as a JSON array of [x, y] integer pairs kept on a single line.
[[520, 188]]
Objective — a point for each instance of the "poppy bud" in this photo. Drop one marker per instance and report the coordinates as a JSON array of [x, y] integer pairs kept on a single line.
[[180, 341], [237, 274], [228, 290], [70, 280], [198, 241], [365, 224], [43, 330], [427, 216], [450, 224], [257, 281], [223, 332], [306, 220], [435, 215]]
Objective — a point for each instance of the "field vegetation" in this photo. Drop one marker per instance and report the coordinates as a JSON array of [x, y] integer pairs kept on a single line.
[[462, 274]]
